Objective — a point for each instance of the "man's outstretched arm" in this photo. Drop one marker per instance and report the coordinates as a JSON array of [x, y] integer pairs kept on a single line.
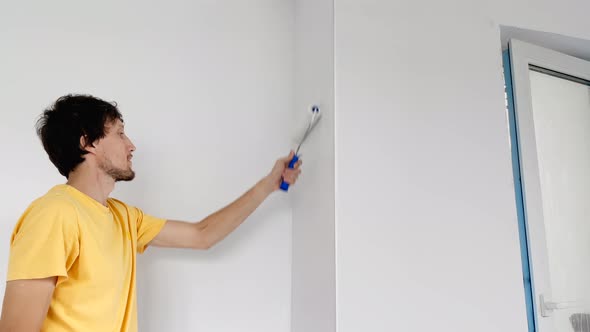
[[214, 228]]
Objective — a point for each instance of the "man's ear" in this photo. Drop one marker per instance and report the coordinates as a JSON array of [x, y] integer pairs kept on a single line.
[[84, 145]]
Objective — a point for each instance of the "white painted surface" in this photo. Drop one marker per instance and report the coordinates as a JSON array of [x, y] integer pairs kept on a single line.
[[205, 88], [314, 303], [427, 235]]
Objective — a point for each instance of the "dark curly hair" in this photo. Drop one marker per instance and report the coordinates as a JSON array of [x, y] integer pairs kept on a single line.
[[69, 118]]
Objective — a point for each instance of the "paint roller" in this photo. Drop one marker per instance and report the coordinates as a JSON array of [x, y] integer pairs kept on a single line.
[[315, 117]]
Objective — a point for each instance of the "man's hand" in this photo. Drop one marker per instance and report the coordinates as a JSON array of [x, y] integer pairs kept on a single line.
[[281, 171]]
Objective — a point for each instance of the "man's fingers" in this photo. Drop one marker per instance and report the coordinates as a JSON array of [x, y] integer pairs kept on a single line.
[[287, 160], [289, 157], [291, 171], [290, 180], [291, 175]]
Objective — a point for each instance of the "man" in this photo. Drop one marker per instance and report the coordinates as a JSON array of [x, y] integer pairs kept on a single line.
[[72, 262]]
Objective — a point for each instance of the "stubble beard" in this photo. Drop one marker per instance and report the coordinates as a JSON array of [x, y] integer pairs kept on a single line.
[[117, 174]]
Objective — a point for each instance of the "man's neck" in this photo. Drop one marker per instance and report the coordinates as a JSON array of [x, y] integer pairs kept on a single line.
[[94, 184]]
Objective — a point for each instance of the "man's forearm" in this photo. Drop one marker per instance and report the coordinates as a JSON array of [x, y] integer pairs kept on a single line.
[[214, 228], [219, 224]]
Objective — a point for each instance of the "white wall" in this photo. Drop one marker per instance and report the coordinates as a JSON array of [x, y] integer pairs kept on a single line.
[[205, 88], [314, 280], [425, 216]]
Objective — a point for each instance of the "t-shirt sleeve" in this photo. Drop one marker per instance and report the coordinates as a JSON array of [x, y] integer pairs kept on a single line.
[[44, 242], [147, 228]]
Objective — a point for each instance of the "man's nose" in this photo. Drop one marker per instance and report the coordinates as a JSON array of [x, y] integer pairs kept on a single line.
[[132, 146]]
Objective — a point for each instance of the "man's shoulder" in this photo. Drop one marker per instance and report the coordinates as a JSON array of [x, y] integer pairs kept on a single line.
[[49, 210], [55, 204], [55, 198]]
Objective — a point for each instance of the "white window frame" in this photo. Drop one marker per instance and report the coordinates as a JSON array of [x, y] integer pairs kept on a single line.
[[522, 55]]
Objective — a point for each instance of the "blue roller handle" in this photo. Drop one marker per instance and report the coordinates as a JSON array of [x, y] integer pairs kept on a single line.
[[285, 185]]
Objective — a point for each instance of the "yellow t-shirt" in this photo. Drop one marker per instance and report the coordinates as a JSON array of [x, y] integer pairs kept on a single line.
[[92, 249]]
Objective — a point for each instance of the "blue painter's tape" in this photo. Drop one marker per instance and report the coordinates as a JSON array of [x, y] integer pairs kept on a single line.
[[522, 229]]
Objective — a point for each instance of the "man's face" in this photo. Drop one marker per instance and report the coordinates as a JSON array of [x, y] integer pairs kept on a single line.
[[114, 152]]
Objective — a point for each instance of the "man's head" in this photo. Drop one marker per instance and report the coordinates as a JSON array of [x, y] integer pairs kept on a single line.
[[82, 128]]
